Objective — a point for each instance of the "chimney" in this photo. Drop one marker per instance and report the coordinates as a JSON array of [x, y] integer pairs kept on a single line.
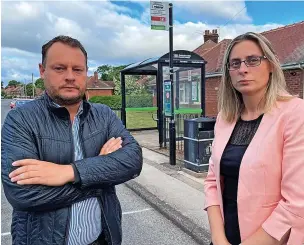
[[95, 76], [95, 81], [211, 35]]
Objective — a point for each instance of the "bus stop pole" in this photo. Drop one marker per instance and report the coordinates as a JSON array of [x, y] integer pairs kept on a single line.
[[172, 121]]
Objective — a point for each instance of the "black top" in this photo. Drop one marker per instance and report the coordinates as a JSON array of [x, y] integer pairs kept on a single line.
[[241, 137]]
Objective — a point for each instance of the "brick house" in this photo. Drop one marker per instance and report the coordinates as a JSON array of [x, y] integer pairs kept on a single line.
[[98, 87], [288, 42], [14, 91]]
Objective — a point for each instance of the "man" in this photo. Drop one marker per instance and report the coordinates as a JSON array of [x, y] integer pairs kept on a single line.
[[62, 157]]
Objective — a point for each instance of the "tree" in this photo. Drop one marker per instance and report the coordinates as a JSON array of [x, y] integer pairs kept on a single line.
[[132, 87], [29, 89], [14, 83], [2, 85], [39, 83], [104, 71], [115, 72], [110, 73]]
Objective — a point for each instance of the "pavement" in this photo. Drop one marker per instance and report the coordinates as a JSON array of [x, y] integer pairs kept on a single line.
[[175, 193]]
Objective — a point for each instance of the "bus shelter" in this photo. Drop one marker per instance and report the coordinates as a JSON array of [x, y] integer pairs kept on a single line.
[[189, 86]]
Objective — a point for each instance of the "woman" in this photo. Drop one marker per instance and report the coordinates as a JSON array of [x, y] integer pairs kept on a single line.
[[255, 185]]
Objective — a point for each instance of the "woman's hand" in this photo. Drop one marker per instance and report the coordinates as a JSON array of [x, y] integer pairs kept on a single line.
[[220, 241], [216, 226]]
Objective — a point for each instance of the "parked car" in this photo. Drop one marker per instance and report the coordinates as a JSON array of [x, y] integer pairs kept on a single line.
[[19, 102], [12, 104]]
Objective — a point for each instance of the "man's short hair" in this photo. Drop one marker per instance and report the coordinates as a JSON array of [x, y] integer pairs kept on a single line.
[[72, 42]]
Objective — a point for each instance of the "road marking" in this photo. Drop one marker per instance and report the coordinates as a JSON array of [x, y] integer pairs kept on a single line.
[[137, 211], [124, 213]]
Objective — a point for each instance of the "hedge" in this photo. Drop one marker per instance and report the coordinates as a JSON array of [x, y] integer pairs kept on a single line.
[[132, 101]]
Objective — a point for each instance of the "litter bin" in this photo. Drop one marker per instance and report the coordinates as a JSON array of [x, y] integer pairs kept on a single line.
[[198, 137]]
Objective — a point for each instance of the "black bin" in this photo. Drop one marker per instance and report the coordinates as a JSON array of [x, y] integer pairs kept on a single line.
[[198, 137]]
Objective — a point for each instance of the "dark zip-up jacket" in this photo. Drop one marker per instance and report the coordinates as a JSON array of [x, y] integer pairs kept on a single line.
[[39, 130]]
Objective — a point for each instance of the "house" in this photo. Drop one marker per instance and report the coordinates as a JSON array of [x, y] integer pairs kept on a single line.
[[18, 91], [14, 91], [288, 42], [98, 87]]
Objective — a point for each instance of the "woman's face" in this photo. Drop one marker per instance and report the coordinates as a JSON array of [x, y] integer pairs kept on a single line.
[[252, 78]]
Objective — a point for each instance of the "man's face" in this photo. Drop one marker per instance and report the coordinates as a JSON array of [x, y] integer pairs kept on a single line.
[[64, 74]]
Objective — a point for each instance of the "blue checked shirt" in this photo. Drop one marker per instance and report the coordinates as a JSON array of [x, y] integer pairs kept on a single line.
[[85, 218]]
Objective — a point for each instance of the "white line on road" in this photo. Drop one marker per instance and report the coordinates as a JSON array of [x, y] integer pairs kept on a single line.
[[137, 211], [124, 213]]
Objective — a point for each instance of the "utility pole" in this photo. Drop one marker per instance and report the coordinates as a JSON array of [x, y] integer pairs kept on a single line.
[[24, 89], [33, 85]]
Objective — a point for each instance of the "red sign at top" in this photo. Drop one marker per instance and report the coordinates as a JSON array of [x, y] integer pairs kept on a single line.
[[157, 18]]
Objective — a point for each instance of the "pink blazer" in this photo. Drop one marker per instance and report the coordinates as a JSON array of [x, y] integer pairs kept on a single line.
[[271, 178]]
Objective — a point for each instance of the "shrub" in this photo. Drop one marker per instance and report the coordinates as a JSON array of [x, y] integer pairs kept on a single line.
[[132, 101]]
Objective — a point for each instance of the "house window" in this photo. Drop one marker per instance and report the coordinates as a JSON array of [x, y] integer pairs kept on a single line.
[[195, 94], [187, 92], [182, 93]]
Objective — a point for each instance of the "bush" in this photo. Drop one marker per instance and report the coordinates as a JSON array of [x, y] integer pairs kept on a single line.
[[137, 101], [133, 101], [114, 102]]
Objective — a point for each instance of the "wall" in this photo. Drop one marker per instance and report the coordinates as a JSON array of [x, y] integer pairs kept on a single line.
[[98, 92], [294, 80], [212, 85]]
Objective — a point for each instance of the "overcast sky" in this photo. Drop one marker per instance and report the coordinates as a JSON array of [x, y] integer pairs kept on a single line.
[[119, 32]]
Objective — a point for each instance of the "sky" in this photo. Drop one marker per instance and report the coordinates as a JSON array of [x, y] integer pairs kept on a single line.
[[119, 33]]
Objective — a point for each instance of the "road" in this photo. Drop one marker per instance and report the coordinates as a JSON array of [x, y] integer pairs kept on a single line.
[[142, 225]]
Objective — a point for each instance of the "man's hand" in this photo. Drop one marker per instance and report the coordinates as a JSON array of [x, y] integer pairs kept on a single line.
[[35, 172], [111, 146]]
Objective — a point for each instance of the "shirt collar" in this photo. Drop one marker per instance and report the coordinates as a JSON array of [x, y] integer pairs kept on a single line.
[[80, 109]]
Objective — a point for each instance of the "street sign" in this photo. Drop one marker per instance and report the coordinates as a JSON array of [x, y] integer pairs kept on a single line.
[[167, 99], [159, 15]]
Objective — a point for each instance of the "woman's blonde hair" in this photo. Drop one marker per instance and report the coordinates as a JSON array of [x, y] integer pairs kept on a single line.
[[230, 102]]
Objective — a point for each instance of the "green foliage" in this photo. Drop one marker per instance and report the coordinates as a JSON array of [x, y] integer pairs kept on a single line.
[[112, 101], [132, 101], [29, 89], [112, 73], [137, 101], [14, 83], [39, 83], [132, 87]]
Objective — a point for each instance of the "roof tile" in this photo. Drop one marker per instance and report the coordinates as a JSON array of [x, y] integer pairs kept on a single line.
[[287, 41]]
